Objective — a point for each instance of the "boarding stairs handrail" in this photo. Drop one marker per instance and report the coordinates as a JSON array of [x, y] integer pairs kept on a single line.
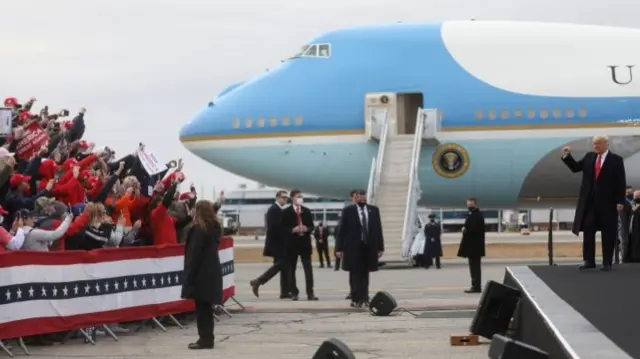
[[410, 226], [376, 164]]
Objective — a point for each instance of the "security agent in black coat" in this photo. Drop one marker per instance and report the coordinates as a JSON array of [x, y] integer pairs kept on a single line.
[[202, 275], [297, 224], [622, 245], [360, 244], [321, 234], [472, 245], [274, 247], [602, 196], [432, 243]]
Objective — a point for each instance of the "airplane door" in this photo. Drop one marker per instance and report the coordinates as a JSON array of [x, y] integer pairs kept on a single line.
[[378, 108]]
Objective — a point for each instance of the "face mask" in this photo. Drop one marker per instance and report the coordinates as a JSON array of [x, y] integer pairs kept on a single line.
[[299, 201], [630, 196], [471, 208], [432, 220]]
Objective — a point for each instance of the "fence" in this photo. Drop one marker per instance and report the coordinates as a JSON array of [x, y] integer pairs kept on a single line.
[[49, 292]]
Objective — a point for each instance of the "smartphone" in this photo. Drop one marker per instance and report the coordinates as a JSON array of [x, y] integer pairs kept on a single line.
[[64, 113]]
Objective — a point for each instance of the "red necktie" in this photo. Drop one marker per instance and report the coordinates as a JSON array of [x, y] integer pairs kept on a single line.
[[598, 165], [298, 215]]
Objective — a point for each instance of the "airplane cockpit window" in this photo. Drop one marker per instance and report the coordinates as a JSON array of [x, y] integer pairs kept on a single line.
[[312, 51], [315, 50], [324, 50]]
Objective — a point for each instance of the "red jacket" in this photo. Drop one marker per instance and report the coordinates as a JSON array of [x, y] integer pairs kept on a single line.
[[162, 226]]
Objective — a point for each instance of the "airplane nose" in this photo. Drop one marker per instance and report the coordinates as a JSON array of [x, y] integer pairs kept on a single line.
[[196, 127]]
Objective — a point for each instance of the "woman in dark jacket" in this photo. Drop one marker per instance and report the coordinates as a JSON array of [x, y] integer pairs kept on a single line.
[[202, 271]]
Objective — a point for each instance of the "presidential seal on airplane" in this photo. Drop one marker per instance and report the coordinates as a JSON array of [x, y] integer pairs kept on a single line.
[[450, 160]]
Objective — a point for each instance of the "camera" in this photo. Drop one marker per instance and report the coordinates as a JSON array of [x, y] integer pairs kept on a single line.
[[64, 113]]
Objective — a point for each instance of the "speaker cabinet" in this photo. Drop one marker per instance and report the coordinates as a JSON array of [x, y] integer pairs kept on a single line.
[[495, 310], [333, 349], [507, 348], [382, 304]]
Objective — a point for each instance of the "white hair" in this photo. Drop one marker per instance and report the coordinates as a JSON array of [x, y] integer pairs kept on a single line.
[[604, 138]]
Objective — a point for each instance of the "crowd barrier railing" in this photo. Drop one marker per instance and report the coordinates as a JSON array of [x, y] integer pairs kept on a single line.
[[52, 292]]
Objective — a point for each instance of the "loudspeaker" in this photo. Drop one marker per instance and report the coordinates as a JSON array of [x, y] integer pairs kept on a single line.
[[333, 349], [507, 348], [382, 304], [495, 310]]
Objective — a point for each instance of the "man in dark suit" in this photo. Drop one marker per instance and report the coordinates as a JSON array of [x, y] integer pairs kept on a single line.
[[360, 244], [602, 196], [297, 223], [432, 243], [274, 247], [624, 224], [472, 244], [321, 234], [336, 233]]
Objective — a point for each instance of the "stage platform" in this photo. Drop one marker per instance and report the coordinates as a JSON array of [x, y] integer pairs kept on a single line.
[[578, 314]]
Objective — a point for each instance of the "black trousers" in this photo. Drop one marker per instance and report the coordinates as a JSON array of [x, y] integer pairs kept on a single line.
[[279, 266], [337, 264], [359, 278], [204, 319], [308, 273], [323, 252], [475, 270], [592, 222]]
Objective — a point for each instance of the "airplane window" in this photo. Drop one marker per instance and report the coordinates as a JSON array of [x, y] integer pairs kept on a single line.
[[324, 50], [504, 114], [248, 123], [531, 113], [582, 112], [298, 121], [492, 114], [478, 115], [236, 123], [544, 113], [285, 121], [570, 113], [312, 51], [273, 122], [557, 113], [517, 114], [261, 122]]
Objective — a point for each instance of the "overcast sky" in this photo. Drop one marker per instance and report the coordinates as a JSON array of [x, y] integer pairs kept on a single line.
[[144, 67]]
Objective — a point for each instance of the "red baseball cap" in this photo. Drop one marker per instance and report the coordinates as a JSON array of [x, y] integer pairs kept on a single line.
[[18, 179]]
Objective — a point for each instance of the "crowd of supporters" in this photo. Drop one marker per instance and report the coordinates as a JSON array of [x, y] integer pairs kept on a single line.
[[59, 191]]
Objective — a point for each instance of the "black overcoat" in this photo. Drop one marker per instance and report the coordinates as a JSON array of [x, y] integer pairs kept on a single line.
[[202, 275]]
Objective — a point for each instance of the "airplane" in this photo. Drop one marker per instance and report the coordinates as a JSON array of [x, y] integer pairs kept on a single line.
[[503, 98]]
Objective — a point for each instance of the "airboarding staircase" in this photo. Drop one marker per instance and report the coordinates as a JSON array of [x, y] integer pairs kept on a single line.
[[394, 187]]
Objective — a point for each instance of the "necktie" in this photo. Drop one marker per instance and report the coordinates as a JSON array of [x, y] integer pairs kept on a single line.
[[365, 226], [298, 217], [320, 232], [598, 165]]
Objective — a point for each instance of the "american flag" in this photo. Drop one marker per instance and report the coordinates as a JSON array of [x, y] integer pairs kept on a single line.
[[45, 292]]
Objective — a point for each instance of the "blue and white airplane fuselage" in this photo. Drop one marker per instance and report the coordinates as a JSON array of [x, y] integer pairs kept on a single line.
[[512, 95]]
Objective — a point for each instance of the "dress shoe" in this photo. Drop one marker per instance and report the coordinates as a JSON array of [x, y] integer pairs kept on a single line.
[[198, 346], [356, 305], [348, 296], [586, 265], [255, 287], [329, 266], [473, 290], [285, 296], [312, 297], [605, 267], [294, 297]]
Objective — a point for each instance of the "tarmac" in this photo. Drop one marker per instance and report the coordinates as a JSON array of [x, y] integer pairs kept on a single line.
[[271, 327]]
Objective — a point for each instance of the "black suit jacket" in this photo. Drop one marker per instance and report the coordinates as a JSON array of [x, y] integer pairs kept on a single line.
[[601, 195], [296, 244], [473, 235], [325, 234], [349, 239], [274, 240]]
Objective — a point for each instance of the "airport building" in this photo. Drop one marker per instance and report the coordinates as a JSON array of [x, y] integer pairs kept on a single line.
[[247, 206]]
